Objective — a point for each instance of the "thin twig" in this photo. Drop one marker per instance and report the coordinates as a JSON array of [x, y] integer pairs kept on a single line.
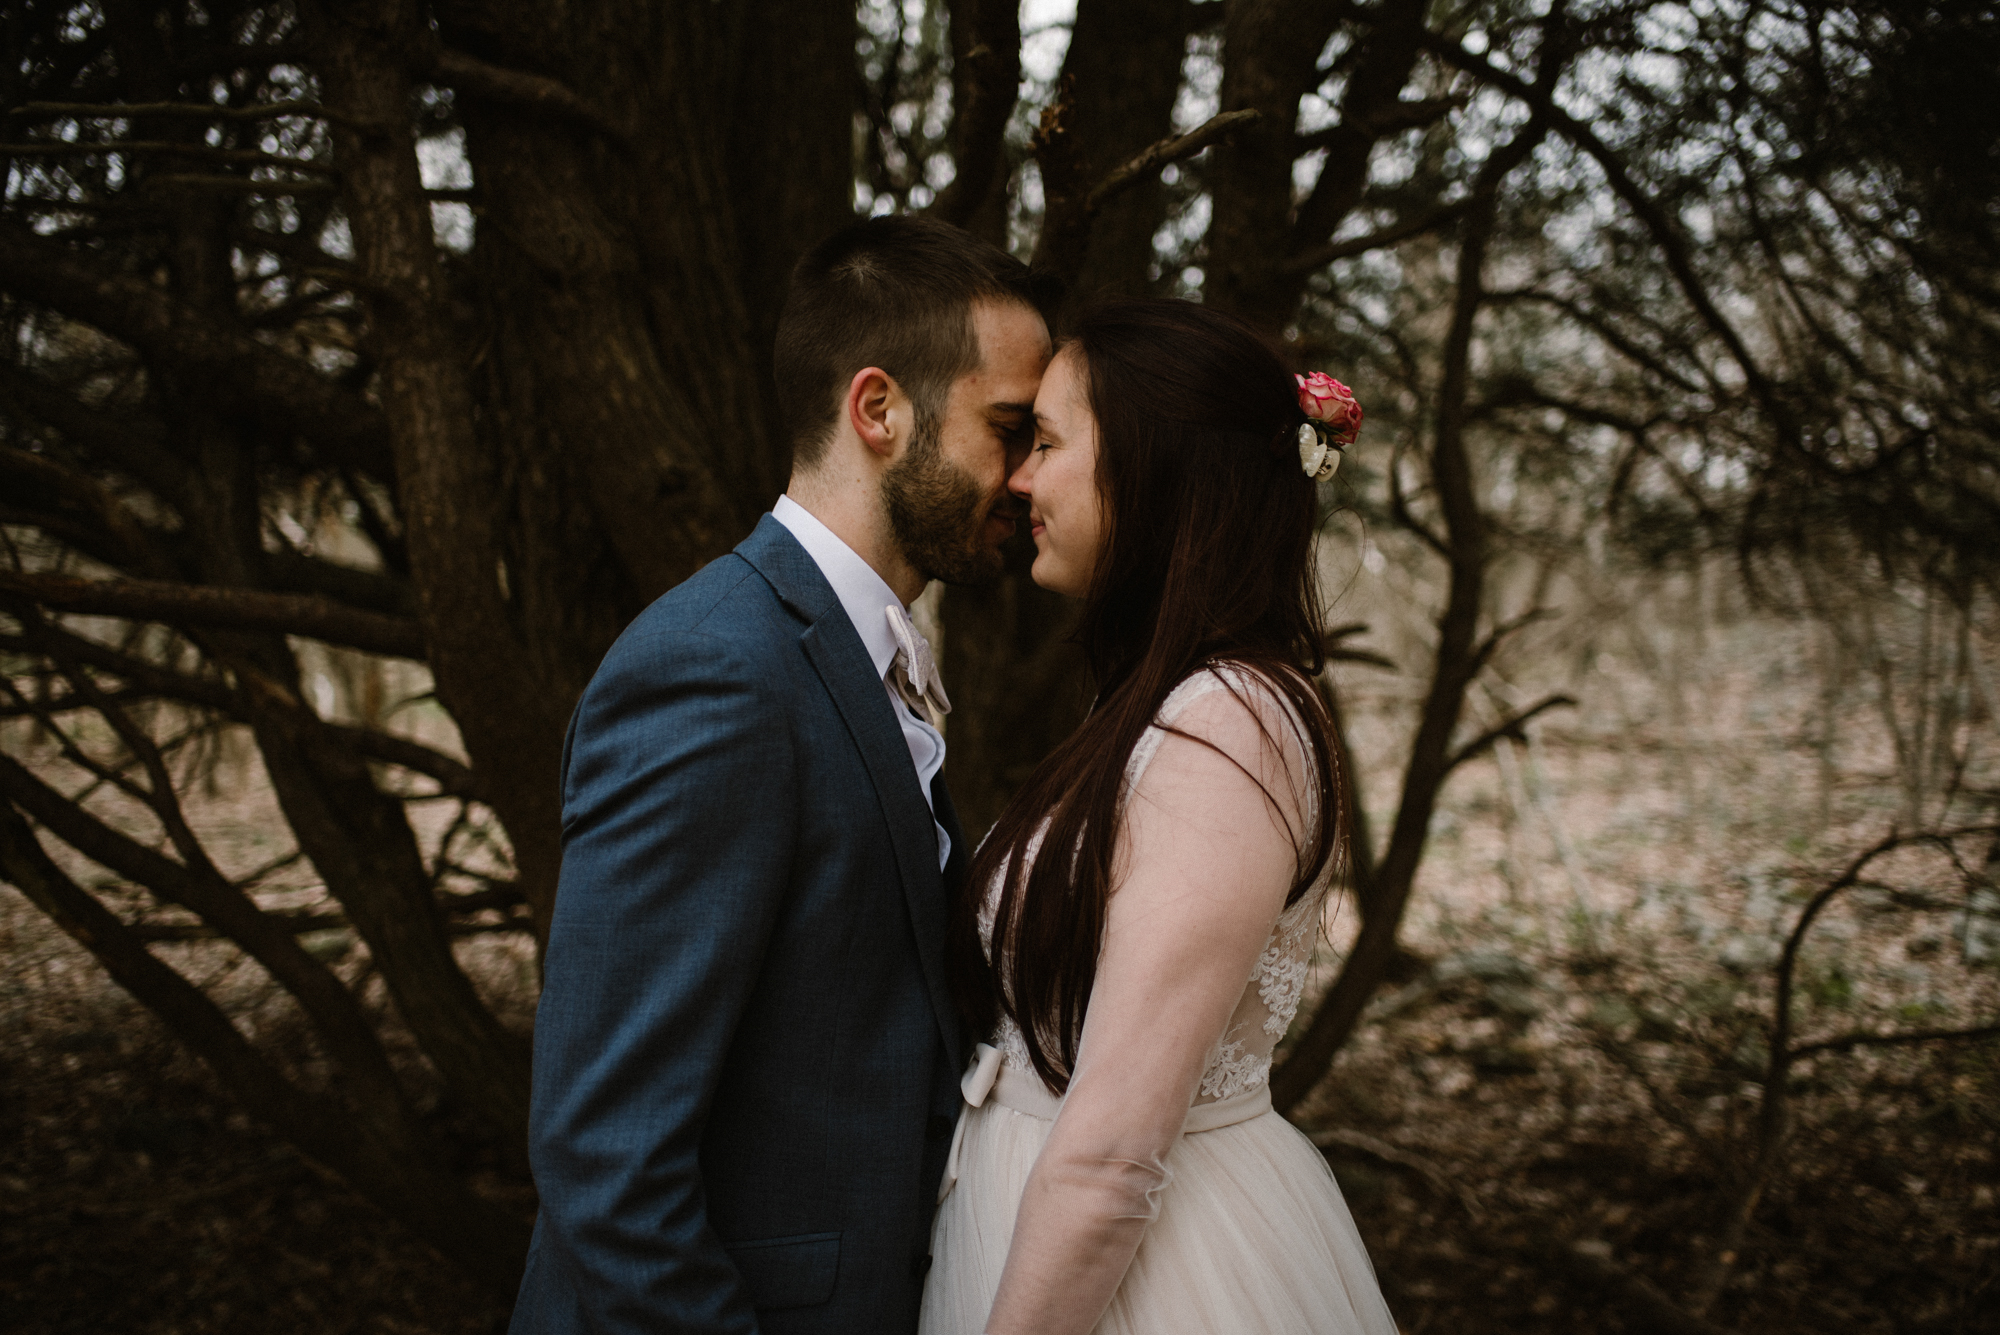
[[1847, 1041], [240, 157], [1172, 149], [1319, 256], [1771, 1119], [1506, 728], [1440, 1181], [244, 185], [206, 111], [1498, 635], [532, 92], [1399, 508]]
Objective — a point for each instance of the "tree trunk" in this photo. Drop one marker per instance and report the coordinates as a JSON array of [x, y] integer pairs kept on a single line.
[[1124, 69], [1387, 885]]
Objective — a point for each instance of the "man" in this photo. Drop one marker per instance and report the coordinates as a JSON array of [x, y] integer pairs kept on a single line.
[[746, 1057]]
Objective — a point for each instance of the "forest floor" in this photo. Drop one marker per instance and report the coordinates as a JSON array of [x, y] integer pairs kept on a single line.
[[1541, 1126]]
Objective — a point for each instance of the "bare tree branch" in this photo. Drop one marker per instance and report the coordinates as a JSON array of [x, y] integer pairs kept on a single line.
[[236, 609], [298, 924], [1073, 200], [89, 495], [1319, 256], [134, 442], [1393, 118], [241, 373], [1773, 1127], [203, 111], [243, 185], [1458, 659], [454, 778], [1130, 173], [1336, 652], [1859, 1040], [1399, 509], [531, 92], [384, 1151], [1499, 634], [1439, 1180], [1596, 320], [1508, 728], [240, 157], [1674, 246], [343, 1028]]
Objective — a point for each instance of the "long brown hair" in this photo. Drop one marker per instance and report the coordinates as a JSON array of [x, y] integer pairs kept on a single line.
[[1206, 558]]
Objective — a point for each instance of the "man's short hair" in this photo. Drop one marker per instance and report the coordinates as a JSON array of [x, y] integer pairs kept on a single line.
[[895, 292]]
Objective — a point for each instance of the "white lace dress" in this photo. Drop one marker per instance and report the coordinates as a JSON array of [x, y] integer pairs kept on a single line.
[[1163, 1195]]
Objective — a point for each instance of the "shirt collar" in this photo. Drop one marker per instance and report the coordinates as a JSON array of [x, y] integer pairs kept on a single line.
[[864, 595]]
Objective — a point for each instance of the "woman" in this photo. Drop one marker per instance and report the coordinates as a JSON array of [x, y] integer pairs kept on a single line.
[[1118, 1167]]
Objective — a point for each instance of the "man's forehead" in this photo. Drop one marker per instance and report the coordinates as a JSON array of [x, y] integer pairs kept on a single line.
[[996, 319], [1013, 352]]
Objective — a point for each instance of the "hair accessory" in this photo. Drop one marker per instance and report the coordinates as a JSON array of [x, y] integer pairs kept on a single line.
[[1333, 422]]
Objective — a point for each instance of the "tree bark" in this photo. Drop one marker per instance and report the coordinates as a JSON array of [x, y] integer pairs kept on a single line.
[[1124, 65], [985, 79]]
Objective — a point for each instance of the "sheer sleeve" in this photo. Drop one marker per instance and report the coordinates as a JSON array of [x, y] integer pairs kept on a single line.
[[1205, 860]]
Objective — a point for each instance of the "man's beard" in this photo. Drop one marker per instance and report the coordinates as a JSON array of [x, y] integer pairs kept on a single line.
[[937, 513]]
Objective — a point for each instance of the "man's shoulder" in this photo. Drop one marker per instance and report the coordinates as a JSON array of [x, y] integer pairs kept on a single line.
[[725, 611], [722, 598]]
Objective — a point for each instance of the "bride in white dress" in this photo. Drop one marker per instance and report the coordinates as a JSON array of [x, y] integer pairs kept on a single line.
[[1118, 1167]]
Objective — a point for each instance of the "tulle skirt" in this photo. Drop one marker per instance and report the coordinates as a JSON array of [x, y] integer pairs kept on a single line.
[[1252, 1238]]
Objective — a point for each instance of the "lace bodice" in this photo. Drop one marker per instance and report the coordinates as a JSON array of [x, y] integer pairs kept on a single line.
[[1240, 1060]]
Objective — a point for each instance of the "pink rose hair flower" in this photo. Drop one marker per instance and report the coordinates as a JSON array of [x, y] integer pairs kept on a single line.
[[1327, 401]]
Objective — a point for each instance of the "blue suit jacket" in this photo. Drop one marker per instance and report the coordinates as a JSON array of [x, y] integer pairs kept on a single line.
[[746, 1060]]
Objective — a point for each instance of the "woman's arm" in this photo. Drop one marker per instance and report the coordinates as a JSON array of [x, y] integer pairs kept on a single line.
[[1204, 865]]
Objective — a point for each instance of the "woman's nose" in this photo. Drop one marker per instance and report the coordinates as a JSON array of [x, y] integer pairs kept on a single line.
[[1022, 481]]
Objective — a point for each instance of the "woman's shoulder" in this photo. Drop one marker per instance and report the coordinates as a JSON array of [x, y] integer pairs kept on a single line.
[[1237, 707], [1236, 688]]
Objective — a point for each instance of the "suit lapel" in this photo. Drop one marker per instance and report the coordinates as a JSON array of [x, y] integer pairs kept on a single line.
[[836, 653]]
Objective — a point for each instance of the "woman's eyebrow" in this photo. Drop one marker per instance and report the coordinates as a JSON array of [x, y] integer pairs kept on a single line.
[[1046, 425]]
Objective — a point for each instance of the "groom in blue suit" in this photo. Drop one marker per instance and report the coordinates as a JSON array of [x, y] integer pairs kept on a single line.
[[746, 1057]]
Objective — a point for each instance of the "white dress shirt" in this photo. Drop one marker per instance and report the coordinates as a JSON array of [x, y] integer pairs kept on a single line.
[[865, 597]]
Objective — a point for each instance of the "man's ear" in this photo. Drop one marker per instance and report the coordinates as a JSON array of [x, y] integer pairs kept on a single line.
[[878, 410]]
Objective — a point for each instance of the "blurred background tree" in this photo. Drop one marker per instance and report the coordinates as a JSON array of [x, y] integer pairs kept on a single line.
[[370, 365]]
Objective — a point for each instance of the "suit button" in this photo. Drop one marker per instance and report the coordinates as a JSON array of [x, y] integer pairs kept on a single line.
[[940, 1126], [920, 1265]]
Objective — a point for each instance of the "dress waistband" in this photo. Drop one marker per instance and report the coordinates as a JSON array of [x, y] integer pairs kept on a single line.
[[1024, 1092], [989, 1078]]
